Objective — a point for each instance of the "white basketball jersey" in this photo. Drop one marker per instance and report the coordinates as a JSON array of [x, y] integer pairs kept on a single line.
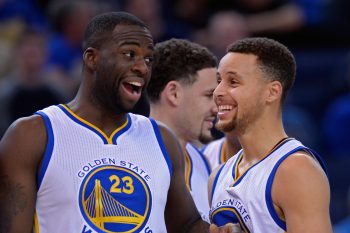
[[197, 176], [247, 199], [90, 183], [214, 152]]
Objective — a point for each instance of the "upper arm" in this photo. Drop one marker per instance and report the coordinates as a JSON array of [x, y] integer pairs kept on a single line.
[[301, 190], [211, 182], [181, 214], [21, 149]]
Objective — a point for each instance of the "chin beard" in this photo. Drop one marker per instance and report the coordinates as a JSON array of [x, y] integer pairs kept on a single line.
[[225, 127], [205, 138], [110, 103]]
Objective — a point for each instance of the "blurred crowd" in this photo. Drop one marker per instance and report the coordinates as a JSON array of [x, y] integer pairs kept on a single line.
[[40, 58]]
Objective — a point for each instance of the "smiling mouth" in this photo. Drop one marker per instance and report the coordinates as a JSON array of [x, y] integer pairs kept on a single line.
[[133, 87], [225, 108]]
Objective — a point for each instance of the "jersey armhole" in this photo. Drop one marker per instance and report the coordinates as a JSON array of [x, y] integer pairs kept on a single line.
[[161, 145], [268, 196], [48, 149], [215, 182]]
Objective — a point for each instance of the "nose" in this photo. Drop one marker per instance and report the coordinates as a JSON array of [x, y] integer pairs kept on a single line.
[[219, 91], [140, 67]]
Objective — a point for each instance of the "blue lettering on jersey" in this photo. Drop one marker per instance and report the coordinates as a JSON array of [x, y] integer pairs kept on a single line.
[[230, 211]]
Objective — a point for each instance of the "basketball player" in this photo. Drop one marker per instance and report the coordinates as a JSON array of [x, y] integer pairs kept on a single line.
[[220, 150], [181, 97], [275, 183], [89, 165]]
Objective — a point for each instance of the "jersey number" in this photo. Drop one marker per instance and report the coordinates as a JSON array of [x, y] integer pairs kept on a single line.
[[126, 187]]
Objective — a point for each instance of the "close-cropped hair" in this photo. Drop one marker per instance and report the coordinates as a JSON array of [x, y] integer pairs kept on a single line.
[[180, 60], [100, 28], [274, 59]]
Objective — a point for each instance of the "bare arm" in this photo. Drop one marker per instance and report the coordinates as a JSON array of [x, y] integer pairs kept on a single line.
[[302, 193], [21, 149], [211, 182], [181, 214]]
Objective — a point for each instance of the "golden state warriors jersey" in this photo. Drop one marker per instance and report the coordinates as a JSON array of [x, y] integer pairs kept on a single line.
[[247, 199], [90, 183], [197, 176], [215, 152]]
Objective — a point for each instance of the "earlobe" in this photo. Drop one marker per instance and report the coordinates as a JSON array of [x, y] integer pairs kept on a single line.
[[90, 58], [275, 91], [172, 92]]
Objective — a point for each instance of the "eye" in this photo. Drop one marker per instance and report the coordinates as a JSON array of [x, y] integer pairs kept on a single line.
[[129, 54], [209, 95], [233, 82], [218, 77], [149, 60]]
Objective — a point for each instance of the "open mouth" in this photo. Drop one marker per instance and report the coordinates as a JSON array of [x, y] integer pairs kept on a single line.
[[133, 87], [225, 108]]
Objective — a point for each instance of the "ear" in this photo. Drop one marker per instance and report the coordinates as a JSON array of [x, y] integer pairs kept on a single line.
[[275, 90], [173, 92], [90, 58]]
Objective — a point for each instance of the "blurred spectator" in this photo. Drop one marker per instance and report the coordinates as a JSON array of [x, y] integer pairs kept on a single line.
[[69, 19], [25, 89], [279, 19], [224, 28], [149, 11], [152, 13]]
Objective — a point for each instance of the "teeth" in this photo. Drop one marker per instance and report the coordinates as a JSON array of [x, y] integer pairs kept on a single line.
[[225, 107], [135, 83]]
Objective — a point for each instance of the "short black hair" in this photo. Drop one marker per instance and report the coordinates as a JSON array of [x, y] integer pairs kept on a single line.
[[274, 59], [177, 59], [101, 27]]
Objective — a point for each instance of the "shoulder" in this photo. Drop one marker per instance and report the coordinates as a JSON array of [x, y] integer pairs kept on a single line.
[[171, 143], [304, 176], [26, 136], [300, 162]]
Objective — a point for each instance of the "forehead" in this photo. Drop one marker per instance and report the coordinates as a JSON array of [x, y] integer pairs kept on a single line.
[[133, 34], [206, 79], [237, 62]]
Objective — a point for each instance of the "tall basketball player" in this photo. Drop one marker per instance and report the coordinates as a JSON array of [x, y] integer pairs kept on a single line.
[[89, 165]]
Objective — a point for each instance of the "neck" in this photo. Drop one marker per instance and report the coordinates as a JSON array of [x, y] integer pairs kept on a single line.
[[84, 107], [231, 148], [257, 142]]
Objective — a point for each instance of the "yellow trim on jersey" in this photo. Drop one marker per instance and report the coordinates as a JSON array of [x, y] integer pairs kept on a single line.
[[109, 139], [188, 170], [241, 157], [223, 152], [36, 223]]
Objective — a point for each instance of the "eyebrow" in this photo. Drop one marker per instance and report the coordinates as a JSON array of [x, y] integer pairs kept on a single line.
[[136, 43]]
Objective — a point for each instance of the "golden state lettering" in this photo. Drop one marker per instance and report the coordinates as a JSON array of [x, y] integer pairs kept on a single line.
[[91, 165], [115, 198], [230, 211], [136, 169]]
